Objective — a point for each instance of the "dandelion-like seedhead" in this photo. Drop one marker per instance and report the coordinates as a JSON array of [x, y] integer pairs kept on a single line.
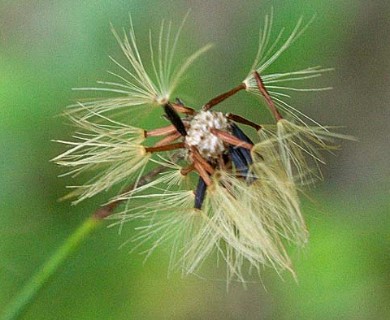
[[200, 183]]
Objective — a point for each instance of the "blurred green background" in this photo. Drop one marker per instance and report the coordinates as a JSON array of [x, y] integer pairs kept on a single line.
[[49, 47]]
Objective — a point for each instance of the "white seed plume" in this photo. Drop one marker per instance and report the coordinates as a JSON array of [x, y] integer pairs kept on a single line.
[[277, 83], [141, 84], [111, 148], [300, 146]]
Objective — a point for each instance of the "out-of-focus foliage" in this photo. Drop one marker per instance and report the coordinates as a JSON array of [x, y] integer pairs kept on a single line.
[[49, 47]]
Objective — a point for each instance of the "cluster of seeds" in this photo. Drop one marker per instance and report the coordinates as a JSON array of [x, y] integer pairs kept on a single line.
[[245, 203]]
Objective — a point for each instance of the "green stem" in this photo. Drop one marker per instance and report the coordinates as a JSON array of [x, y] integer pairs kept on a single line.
[[41, 277]]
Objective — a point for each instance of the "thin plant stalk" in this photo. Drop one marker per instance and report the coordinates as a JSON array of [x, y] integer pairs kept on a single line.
[[31, 289]]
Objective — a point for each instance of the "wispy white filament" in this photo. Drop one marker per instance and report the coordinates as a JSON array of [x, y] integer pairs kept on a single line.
[[141, 83]]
